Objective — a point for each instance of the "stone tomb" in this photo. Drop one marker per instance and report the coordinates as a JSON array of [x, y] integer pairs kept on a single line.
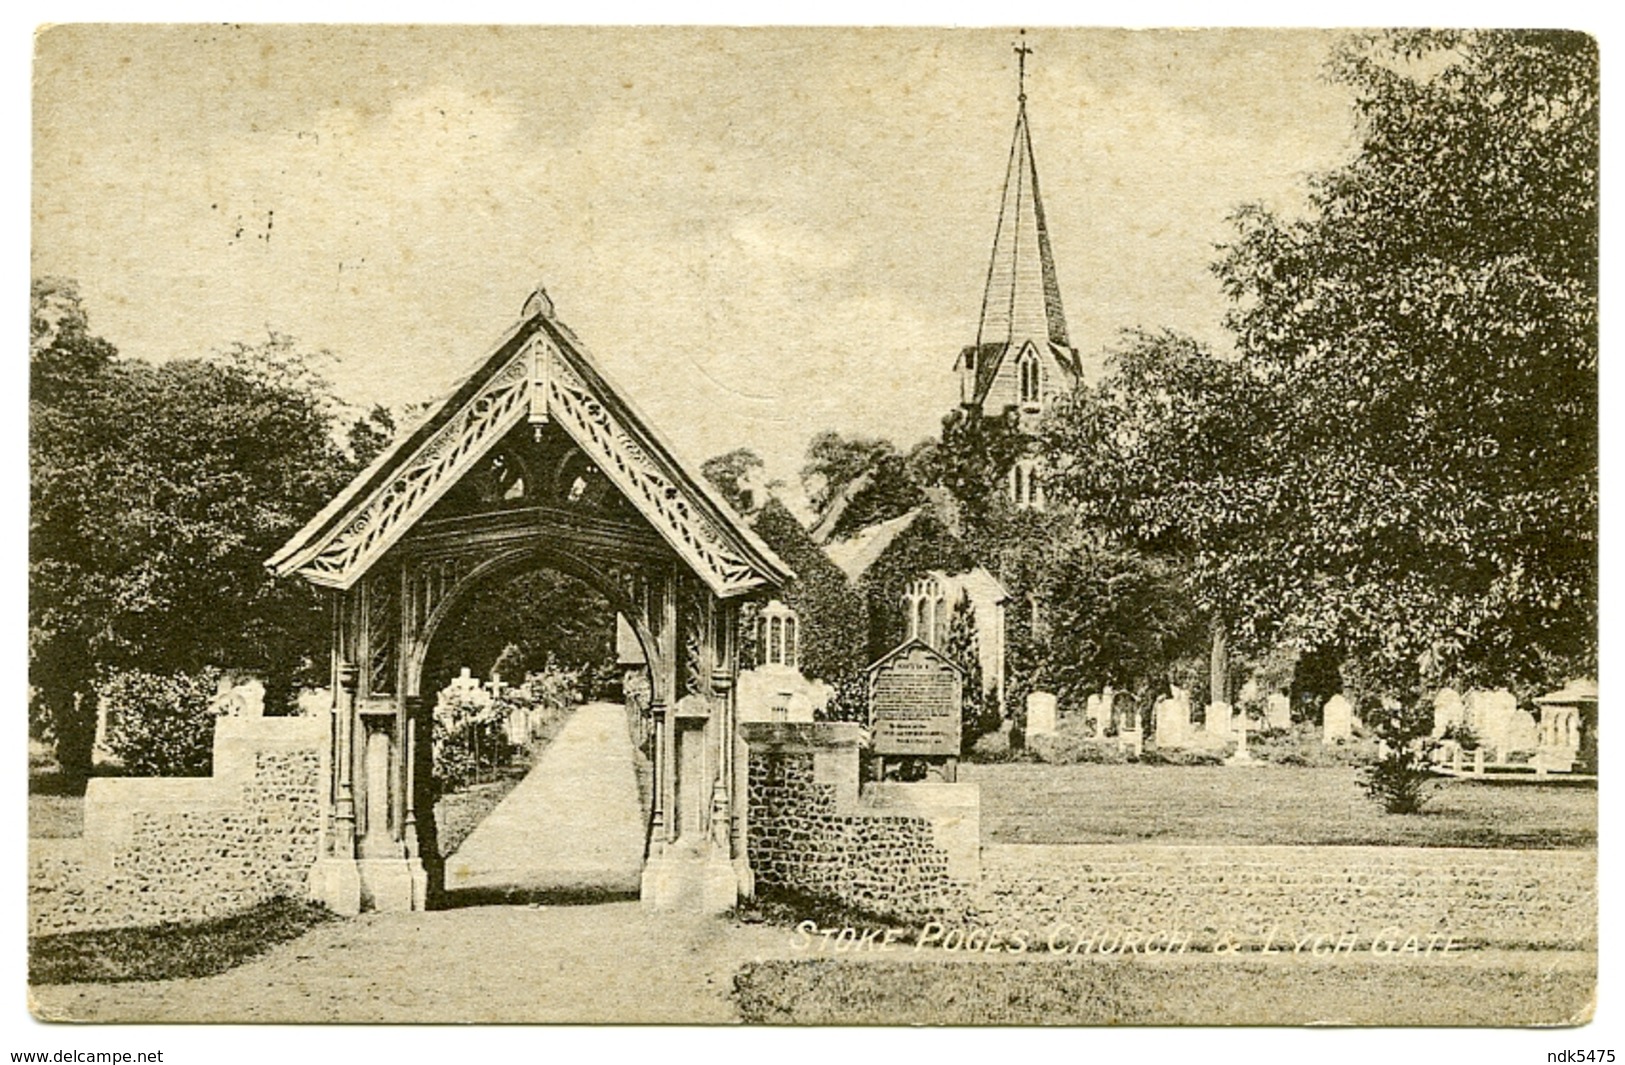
[[915, 704]]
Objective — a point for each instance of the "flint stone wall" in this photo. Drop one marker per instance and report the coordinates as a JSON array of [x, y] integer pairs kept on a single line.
[[1487, 898], [159, 849], [904, 851]]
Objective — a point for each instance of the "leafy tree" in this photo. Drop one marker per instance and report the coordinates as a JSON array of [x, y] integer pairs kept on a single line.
[[534, 622], [160, 724], [854, 482], [371, 434], [736, 474], [979, 713], [1402, 776], [1430, 329], [156, 492], [1118, 618], [1173, 454]]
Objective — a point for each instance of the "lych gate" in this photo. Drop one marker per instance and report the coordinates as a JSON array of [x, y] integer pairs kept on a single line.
[[534, 460]]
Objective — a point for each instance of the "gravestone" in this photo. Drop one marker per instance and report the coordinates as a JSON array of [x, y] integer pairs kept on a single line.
[[915, 703], [246, 699], [1095, 714], [1040, 713], [1173, 721], [1218, 719], [1522, 733], [1278, 710], [1490, 715], [1337, 720], [1448, 710]]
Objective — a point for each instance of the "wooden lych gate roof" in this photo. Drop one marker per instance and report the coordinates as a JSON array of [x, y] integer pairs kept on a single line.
[[539, 371]]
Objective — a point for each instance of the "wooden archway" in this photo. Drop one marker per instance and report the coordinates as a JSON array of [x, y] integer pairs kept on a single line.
[[535, 460]]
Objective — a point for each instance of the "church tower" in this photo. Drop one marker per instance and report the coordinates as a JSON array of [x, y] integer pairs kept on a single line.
[[1023, 356]]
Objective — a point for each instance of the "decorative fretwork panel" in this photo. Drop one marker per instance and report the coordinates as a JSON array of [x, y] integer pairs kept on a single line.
[[694, 617], [507, 399], [639, 477], [437, 464]]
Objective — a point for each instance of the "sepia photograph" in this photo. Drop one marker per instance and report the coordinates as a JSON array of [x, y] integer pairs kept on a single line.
[[911, 526]]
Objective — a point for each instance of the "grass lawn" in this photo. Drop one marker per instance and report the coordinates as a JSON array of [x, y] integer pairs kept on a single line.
[[1502, 990], [172, 950], [1033, 803], [56, 805]]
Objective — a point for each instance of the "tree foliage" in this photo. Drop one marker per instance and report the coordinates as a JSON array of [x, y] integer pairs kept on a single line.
[[531, 623], [156, 493], [868, 477], [1429, 329], [737, 475], [160, 725], [1118, 619]]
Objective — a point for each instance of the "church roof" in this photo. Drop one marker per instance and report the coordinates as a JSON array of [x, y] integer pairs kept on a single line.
[[854, 555], [1022, 300]]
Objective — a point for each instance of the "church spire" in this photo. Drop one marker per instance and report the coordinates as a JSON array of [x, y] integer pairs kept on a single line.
[[1022, 300]]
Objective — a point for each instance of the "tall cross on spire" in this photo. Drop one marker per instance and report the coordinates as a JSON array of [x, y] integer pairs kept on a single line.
[[1022, 52]]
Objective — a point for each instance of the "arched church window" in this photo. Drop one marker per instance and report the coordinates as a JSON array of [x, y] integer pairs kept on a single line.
[[1031, 381], [940, 624], [778, 635], [922, 620]]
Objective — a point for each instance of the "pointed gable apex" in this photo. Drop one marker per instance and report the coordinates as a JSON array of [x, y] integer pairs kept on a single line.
[[538, 370], [1021, 302]]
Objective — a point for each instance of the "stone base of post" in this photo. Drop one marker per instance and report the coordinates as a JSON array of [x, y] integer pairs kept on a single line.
[[690, 883], [336, 884], [348, 886], [393, 885]]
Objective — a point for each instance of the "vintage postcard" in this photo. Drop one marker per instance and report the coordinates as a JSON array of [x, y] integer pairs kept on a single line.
[[833, 526]]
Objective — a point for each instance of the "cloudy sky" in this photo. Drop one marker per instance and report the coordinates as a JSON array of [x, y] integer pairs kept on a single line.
[[760, 233]]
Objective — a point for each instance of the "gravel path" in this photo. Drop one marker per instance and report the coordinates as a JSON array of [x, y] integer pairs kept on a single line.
[[573, 825], [610, 962]]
